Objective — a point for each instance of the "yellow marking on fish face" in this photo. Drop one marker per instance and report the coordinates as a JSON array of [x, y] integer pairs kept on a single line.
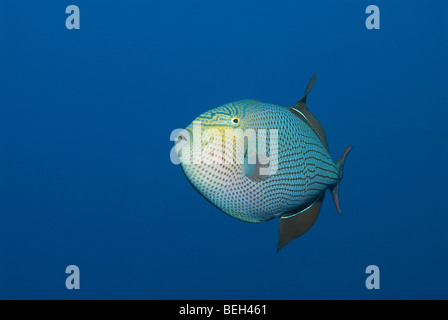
[[222, 118], [218, 131]]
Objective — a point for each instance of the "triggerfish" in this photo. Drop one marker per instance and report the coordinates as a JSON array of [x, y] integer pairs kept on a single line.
[[257, 161]]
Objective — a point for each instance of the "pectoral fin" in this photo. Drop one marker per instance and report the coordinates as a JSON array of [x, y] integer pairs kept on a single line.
[[293, 226], [254, 168]]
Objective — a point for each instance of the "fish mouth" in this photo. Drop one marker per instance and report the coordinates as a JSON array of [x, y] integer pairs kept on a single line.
[[186, 131], [184, 135], [181, 137], [182, 141]]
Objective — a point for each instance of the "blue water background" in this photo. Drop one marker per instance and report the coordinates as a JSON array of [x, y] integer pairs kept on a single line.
[[85, 171]]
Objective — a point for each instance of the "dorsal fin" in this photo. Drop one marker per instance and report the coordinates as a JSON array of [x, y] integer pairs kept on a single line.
[[300, 110], [293, 226], [310, 85]]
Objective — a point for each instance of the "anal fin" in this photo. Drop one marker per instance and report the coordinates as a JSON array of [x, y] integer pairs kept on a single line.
[[293, 226]]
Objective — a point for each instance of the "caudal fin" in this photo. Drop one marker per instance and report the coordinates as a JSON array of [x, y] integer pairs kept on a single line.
[[340, 164]]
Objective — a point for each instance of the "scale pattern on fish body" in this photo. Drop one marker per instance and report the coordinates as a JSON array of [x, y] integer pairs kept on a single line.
[[304, 168]]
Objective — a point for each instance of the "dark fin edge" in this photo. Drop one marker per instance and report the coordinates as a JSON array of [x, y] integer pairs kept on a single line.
[[308, 88], [335, 190], [293, 226], [300, 110]]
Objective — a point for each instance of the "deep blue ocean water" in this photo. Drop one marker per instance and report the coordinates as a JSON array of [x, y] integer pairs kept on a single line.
[[85, 171]]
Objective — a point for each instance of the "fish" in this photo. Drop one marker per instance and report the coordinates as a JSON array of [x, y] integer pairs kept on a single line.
[[258, 161]]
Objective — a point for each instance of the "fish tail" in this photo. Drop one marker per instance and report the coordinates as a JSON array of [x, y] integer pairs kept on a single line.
[[335, 188]]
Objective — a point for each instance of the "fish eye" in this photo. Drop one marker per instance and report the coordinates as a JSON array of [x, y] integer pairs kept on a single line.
[[235, 120]]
